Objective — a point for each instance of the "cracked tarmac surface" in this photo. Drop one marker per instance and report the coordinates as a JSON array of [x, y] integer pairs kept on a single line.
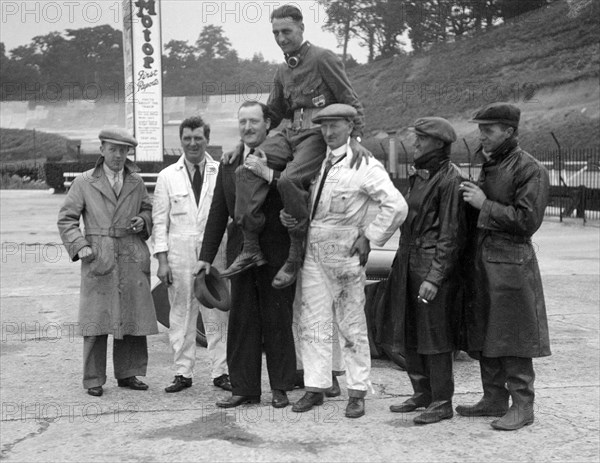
[[47, 416]]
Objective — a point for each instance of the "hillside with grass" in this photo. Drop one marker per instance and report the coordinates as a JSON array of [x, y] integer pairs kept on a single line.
[[547, 62], [28, 147]]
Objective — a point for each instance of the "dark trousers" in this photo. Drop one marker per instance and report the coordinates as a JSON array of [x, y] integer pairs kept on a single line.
[[298, 155], [431, 377], [130, 358], [504, 376], [260, 317]]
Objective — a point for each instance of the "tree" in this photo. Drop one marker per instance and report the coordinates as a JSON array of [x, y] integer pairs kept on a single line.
[[432, 21], [341, 18], [99, 52], [377, 24], [511, 8], [16, 74], [212, 43], [70, 61], [258, 58], [393, 24]]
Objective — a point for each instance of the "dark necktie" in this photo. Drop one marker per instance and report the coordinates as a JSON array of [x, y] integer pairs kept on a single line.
[[328, 165], [197, 183]]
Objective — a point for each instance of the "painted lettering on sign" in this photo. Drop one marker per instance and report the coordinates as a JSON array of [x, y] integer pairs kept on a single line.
[[146, 17]]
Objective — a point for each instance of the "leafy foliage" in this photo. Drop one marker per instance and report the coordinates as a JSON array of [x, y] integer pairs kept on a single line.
[[79, 63]]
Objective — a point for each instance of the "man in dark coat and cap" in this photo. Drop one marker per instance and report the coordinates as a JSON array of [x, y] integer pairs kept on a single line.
[[506, 321], [422, 286]]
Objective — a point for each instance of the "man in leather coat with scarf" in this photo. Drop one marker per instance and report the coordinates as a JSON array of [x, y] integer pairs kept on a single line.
[[422, 286], [506, 320]]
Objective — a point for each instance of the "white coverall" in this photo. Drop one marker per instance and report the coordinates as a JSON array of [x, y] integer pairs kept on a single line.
[[332, 280], [337, 366], [178, 230]]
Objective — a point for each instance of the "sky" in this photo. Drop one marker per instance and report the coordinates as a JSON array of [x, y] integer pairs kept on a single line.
[[245, 23]]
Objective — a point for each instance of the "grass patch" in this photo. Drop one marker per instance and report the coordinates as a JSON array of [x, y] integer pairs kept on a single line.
[[26, 147]]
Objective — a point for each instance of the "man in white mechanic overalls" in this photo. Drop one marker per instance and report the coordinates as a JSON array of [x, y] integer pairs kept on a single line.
[[333, 273], [182, 198]]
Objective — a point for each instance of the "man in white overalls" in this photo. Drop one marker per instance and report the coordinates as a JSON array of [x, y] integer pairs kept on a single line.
[[182, 198], [333, 273]]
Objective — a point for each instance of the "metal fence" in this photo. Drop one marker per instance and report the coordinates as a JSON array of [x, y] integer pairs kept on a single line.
[[574, 181]]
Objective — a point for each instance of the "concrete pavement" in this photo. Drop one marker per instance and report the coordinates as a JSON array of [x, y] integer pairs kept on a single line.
[[47, 416]]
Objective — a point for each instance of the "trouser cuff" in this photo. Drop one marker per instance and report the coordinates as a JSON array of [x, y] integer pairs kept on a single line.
[[357, 393], [315, 389], [95, 382], [130, 373]]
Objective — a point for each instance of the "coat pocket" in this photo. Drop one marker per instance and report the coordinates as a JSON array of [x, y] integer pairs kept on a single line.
[[504, 251], [312, 87], [341, 201], [179, 203], [104, 257]]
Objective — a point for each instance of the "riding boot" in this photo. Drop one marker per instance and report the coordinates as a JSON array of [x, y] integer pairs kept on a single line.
[[419, 377], [441, 380], [495, 394], [287, 274], [519, 379]]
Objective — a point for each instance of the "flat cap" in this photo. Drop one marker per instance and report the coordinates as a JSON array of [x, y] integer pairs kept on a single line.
[[212, 290], [498, 113], [436, 127], [335, 111], [118, 136]]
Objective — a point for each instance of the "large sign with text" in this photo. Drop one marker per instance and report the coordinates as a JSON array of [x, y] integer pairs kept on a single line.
[[142, 49]]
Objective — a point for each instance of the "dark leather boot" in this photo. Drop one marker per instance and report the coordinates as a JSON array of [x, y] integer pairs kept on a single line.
[[287, 274], [519, 379], [308, 401], [417, 373], [251, 256], [441, 381], [437, 411], [355, 407], [334, 390], [495, 395]]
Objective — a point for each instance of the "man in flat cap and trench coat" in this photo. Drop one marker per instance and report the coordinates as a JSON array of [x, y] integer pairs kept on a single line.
[[423, 283], [506, 321], [115, 294]]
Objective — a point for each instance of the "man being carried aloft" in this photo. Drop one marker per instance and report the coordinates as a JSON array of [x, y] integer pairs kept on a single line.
[[310, 79]]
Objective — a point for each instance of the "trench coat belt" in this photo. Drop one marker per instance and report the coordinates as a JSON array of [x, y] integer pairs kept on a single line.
[[113, 232], [418, 243], [508, 236], [303, 118]]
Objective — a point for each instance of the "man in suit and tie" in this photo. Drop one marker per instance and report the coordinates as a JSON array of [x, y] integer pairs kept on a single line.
[[182, 198], [114, 205], [260, 316]]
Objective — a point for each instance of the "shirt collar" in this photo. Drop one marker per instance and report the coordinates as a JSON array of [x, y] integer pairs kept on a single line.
[[246, 151], [336, 153], [190, 166], [111, 174]]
